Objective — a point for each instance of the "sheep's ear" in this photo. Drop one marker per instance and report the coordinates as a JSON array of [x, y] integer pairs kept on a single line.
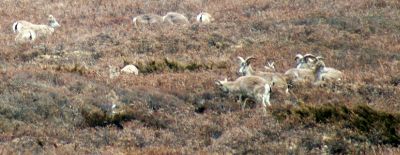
[[241, 59]]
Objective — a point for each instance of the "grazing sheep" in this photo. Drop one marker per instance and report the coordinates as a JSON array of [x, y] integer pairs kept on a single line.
[[174, 18], [277, 78], [130, 69], [204, 17], [253, 87], [40, 30], [25, 36], [147, 19]]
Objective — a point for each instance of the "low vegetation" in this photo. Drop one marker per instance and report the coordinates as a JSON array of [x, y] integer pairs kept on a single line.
[[57, 97]]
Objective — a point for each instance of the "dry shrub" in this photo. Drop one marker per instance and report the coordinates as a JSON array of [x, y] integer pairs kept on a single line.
[[56, 95]]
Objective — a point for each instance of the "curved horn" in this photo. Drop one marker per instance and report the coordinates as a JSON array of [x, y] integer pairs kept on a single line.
[[309, 56], [248, 59], [298, 56], [241, 59], [218, 83]]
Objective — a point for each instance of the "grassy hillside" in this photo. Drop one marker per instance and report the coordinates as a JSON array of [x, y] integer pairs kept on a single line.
[[56, 94]]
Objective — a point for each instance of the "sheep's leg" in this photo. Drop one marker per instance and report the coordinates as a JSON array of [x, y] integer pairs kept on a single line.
[[244, 104], [265, 100]]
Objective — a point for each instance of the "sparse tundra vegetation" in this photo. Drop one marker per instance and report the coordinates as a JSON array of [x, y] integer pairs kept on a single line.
[[138, 77]]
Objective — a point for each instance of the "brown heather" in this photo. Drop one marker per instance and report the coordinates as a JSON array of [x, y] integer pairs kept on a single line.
[[55, 94]]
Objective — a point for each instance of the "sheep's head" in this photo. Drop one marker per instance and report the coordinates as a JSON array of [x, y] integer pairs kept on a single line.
[[305, 61], [53, 22], [270, 67], [245, 66], [298, 59], [319, 65], [222, 85]]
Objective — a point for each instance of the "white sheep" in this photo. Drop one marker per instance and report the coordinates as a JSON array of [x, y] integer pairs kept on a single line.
[[204, 17], [174, 18], [40, 30], [147, 19], [278, 79], [130, 69], [253, 87], [25, 36]]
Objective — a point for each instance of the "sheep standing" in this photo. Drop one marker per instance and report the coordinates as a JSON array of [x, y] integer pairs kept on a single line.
[[204, 17], [40, 30], [253, 87], [174, 18], [277, 78], [147, 19], [25, 36]]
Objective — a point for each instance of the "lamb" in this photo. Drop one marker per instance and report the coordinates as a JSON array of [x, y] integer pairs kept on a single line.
[[246, 70], [147, 19], [174, 18], [253, 87], [40, 30], [25, 36], [204, 17]]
